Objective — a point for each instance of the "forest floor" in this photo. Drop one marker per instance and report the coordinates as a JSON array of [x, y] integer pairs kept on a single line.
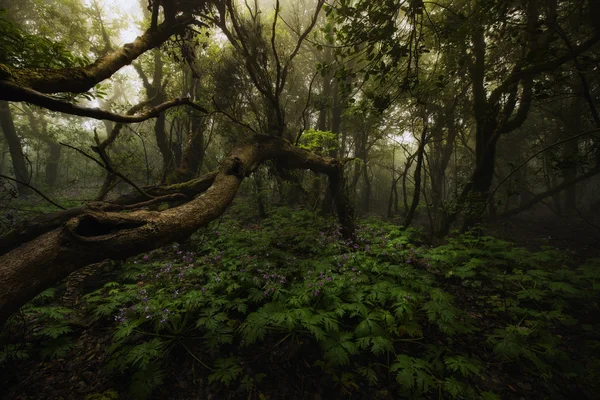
[[457, 338]]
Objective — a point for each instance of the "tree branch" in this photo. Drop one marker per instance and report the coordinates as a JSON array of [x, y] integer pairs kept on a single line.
[[79, 80], [108, 167], [536, 154], [545, 66], [12, 92], [536, 199]]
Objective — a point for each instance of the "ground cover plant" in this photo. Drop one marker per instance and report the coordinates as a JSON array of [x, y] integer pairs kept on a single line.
[[286, 308]]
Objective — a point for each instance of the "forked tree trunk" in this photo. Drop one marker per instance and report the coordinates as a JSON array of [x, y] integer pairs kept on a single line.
[[93, 236]]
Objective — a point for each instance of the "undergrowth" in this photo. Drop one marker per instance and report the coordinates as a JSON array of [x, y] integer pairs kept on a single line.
[[286, 306]]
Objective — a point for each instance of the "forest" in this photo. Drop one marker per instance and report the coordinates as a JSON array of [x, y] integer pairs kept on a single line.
[[308, 199]]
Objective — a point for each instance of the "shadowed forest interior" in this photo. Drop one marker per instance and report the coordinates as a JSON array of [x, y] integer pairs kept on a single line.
[[309, 199]]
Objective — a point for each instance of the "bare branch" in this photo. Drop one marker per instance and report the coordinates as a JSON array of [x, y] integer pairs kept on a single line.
[[556, 189], [110, 169], [34, 189], [275, 54], [303, 36]]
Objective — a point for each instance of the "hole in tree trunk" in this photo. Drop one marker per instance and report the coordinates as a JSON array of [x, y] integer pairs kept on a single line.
[[90, 226]]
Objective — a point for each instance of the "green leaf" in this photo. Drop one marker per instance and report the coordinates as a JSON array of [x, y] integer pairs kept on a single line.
[[225, 371]]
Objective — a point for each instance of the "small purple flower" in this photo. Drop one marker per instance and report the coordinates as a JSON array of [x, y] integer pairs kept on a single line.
[[353, 269], [203, 290], [310, 285], [316, 293], [328, 279], [146, 257]]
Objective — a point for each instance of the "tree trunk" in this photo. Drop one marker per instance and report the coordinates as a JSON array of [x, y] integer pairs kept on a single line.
[[14, 145], [193, 154], [573, 122], [52, 163], [258, 190], [366, 196], [2, 158], [417, 193], [97, 235]]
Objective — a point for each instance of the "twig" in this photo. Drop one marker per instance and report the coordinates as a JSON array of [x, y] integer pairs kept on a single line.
[[109, 169], [34, 189]]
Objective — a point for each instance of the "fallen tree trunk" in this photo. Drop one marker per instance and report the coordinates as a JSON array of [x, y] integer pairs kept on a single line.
[[96, 235], [29, 230]]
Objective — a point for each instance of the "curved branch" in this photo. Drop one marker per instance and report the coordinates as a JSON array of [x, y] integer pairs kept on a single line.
[[29, 230], [12, 92], [79, 80]]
